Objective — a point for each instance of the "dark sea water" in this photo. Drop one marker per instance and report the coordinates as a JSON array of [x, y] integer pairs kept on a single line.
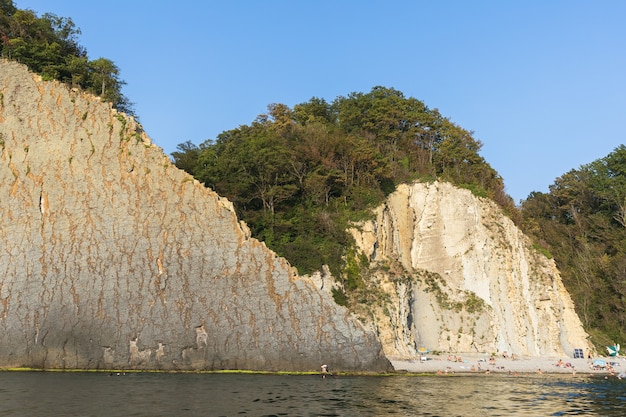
[[147, 394]]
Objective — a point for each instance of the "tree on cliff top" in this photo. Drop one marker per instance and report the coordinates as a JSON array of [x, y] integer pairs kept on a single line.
[[49, 46]]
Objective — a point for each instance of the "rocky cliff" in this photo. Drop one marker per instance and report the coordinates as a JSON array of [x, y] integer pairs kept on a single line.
[[457, 275], [111, 257]]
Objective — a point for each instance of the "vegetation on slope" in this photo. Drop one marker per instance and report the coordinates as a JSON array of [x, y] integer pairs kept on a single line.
[[582, 223], [48, 45], [299, 176]]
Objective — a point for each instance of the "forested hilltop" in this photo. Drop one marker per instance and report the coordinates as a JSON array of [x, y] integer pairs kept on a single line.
[[582, 222], [49, 46], [299, 176]]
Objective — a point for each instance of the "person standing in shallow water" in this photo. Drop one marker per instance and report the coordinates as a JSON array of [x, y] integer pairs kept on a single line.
[[324, 370]]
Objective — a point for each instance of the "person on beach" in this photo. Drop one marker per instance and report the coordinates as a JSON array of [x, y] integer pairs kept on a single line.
[[324, 371]]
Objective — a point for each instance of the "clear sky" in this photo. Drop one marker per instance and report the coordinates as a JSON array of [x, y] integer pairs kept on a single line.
[[541, 83]]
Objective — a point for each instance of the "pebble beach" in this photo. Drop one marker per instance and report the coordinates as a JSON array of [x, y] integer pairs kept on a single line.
[[486, 364]]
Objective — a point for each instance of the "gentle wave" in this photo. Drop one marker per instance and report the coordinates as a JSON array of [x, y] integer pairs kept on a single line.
[[151, 394]]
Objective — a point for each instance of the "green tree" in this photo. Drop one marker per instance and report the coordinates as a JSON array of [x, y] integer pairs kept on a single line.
[[103, 80], [314, 110], [49, 46], [186, 157]]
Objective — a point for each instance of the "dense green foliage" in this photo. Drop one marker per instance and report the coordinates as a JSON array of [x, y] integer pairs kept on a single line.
[[582, 223], [48, 45], [299, 176]]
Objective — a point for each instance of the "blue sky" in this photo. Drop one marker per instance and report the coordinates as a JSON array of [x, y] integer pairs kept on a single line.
[[541, 83]]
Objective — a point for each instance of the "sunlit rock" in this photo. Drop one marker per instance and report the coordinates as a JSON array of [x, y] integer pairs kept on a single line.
[[111, 257]]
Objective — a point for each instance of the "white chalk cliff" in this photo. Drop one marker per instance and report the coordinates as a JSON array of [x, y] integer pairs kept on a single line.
[[459, 276]]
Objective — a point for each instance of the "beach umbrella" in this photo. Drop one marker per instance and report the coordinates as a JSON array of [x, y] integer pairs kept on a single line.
[[613, 350]]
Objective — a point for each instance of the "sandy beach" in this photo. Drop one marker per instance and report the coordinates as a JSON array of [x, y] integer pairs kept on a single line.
[[482, 363]]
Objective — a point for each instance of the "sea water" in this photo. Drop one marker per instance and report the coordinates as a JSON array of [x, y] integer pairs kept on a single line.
[[152, 394]]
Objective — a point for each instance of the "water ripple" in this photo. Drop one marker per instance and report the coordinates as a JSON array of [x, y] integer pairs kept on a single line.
[[89, 394]]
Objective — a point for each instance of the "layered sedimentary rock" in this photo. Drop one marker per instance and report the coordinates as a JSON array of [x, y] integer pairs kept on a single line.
[[459, 276], [111, 257]]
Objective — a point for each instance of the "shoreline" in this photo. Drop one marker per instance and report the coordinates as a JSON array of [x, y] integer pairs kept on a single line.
[[480, 364], [429, 364]]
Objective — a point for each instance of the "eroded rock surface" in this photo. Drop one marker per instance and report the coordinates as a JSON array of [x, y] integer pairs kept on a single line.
[[111, 257], [459, 276]]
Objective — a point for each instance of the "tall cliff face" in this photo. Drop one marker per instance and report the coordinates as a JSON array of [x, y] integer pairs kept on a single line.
[[459, 276], [110, 257]]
